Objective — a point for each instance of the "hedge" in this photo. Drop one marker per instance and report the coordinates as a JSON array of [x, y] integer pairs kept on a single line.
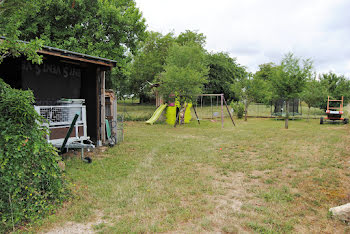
[[32, 184]]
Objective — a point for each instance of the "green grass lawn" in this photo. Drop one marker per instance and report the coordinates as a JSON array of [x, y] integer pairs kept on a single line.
[[256, 177]]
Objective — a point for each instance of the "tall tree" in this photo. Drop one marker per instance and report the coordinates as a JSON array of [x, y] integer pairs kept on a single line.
[[265, 75], [189, 37], [149, 62], [336, 86], [289, 79], [185, 73], [104, 28], [251, 89], [223, 72], [314, 93], [16, 11]]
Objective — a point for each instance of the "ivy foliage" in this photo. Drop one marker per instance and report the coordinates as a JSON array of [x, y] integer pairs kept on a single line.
[[31, 182]]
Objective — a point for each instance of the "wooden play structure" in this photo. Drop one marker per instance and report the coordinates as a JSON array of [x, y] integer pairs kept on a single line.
[[334, 111]]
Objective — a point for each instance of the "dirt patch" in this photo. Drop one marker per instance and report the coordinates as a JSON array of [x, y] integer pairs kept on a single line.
[[77, 228], [231, 194]]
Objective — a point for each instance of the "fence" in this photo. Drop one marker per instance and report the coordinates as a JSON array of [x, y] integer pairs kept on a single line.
[[210, 108]]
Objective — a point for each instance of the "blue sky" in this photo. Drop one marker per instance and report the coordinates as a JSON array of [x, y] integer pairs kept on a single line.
[[261, 31]]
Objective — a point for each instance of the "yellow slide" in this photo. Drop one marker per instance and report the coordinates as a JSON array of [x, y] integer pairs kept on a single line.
[[156, 114]]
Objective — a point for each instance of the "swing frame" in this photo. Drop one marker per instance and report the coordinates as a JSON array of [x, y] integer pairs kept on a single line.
[[222, 102]]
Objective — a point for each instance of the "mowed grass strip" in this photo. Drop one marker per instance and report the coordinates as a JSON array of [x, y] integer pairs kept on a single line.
[[256, 177]]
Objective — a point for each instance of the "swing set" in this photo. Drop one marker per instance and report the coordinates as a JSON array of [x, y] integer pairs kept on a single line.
[[214, 114]]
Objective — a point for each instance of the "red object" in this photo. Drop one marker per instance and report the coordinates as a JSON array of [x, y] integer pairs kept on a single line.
[[334, 113]]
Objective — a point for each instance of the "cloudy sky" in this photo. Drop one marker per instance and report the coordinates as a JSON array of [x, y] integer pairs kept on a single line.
[[261, 31]]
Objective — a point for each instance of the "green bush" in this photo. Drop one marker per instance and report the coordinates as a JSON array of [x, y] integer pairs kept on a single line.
[[30, 179], [238, 108]]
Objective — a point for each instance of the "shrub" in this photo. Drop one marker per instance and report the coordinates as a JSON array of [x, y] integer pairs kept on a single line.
[[238, 108], [30, 179]]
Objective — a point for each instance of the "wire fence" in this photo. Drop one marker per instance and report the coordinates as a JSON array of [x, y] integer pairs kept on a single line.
[[210, 108], [120, 128]]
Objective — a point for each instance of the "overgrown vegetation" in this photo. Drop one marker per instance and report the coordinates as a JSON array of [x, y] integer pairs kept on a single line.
[[31, 182], [238, 108]]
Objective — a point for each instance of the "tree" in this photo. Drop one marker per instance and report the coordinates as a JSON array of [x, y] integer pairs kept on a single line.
[[265, 75], [185, 73], [265, 71], [224, 71], [189, 37], [314, 93], [289, 79], [9, 45], [250, 89], [149, 62], [336, 86], [105, 28]]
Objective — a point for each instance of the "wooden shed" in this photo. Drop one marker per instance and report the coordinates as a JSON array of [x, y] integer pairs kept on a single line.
[[64, 75]]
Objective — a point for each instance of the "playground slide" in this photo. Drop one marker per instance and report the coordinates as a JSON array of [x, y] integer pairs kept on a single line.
[[156, 114]]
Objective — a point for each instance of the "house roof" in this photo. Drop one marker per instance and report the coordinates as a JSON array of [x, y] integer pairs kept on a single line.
[[47, 50]]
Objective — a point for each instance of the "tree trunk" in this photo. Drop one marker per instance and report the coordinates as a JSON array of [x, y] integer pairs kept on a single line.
[[287, 115], [183, 115], [245, 111]]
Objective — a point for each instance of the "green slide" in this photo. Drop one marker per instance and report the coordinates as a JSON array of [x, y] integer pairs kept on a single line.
[[156, 114]]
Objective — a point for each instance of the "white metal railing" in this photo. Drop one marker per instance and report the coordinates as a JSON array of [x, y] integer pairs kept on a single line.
[[62, 116]]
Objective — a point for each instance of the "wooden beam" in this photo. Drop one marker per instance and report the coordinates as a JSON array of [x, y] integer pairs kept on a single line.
[[98, 78], [103, 107], [75, 58], [207, 95]]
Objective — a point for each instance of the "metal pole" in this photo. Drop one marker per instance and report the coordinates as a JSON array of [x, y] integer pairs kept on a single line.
[[222, 111], [211, 106]]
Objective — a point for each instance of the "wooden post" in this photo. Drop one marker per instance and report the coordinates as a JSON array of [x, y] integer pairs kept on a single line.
[[287, 115], [183, 116], [103, 108], [222, 111], [98, 125], [196, 114], [228, 111]]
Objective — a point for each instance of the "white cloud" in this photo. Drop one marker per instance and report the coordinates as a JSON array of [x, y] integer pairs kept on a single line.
[[256, 31]]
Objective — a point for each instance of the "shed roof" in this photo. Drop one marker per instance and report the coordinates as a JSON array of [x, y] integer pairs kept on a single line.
[[77, 56], [74, 55]]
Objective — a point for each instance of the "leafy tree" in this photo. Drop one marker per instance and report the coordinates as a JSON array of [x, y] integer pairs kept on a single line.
[[189, 37], [223, 72], [251, 89], [149, 62], [185, 73], [105, 28], [289, 79], [336, 86], [265, 71], [15, 11], [314, 93]]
